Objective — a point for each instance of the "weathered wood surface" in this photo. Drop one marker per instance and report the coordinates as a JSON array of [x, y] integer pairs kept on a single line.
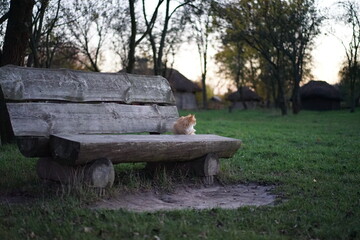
[[43, 119], [99, 173], [80, 149], [208, 166], [31, 84]]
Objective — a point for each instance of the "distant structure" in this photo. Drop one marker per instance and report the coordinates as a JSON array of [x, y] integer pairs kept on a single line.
[[215, 102], [244, 98], [183, 88], [320, 96]]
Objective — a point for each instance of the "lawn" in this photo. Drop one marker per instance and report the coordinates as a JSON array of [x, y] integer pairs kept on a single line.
[[312, 159]]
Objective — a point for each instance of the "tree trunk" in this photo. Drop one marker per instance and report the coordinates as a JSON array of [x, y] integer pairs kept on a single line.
[[131, 55], [273, 92], [353, 77], [279, 72], [159, 65], [204, 93], [36, 34], [282, 102], [50, 51], [203, 75], [352, 95], [154, 56], [296, 101], [242, 100], [281, 96], [18, 32]]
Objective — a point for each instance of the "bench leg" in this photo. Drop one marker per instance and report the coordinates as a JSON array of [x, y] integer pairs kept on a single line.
[[206, 167], [98, 174]]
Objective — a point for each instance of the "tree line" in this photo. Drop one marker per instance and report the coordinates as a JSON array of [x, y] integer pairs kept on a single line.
[[76, 33], [263, 44]]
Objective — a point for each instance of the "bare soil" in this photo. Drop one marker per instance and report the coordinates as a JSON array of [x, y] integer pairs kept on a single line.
[[191, 197]]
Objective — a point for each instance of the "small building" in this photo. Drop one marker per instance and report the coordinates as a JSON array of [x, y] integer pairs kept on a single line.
[[184, 89], [244, 98], [320, 96], [215, 102]]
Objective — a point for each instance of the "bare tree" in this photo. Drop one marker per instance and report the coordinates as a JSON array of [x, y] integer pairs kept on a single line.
[[4, 15], [158, 47], [351, 18], [87, 23], [46, 35], [121, 29], [133, 42], [37, 24], [202, 29]]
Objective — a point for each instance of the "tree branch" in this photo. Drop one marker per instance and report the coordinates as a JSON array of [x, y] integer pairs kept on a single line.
[[149, 25], [179, 6], [4, 17]]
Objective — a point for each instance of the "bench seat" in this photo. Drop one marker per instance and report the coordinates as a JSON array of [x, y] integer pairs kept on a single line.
[[80, 149]]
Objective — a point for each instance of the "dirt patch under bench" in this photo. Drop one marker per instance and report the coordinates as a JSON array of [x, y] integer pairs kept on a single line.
[[190, 197]]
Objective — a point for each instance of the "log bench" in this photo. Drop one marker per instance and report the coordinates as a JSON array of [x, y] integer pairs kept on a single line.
[[81, 123]]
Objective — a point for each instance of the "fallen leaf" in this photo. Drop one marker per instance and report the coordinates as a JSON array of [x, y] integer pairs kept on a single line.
[[87, 229]]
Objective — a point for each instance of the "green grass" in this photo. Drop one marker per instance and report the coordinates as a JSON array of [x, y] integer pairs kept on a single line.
[[312, 159]]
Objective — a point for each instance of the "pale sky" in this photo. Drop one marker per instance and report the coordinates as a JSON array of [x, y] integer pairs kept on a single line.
[[329, 53]]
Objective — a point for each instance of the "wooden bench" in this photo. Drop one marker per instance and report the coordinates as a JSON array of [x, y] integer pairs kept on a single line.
[[79, 124]]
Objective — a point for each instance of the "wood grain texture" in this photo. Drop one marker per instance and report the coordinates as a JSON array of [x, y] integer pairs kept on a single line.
[[34, 84], [80, 149], [99, 173], [43, 119]]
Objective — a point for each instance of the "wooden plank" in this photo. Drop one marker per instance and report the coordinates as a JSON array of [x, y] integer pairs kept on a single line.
[[32, 84], [80, 149], [43, 119]]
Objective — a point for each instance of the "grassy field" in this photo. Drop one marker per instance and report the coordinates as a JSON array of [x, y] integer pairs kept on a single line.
[[312, 159]]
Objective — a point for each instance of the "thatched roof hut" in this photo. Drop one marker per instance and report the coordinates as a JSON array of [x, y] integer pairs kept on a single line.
[[184, 89], [215, 102], [180, 83], [319, 96], [244, 94], [244, 98]]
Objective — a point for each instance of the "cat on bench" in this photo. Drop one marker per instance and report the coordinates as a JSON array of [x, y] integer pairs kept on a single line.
[[185, 125]]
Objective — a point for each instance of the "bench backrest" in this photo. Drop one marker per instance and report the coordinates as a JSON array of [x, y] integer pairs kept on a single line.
[[42, 102]]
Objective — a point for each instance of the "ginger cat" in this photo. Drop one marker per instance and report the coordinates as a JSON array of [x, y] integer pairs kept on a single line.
[[185, 125]]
